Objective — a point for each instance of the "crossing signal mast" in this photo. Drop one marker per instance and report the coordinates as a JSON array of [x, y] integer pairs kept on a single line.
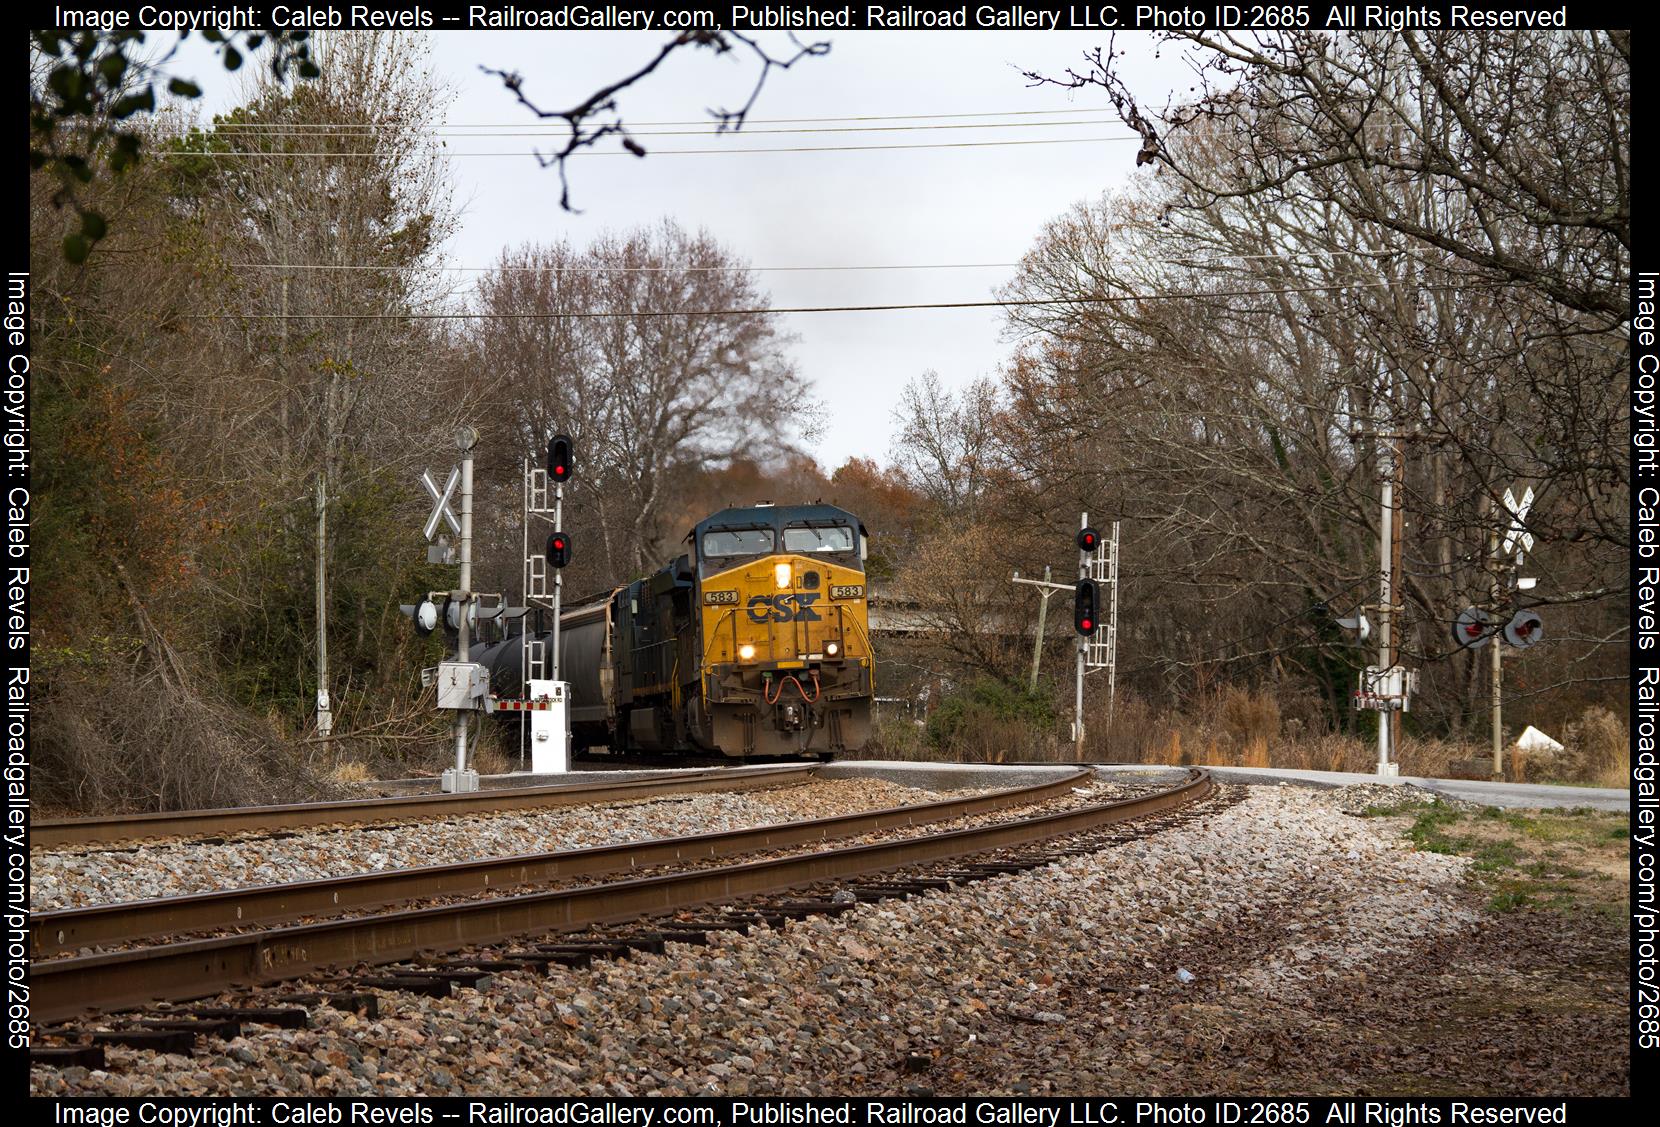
[[539, 661], [1097, 639], [1476, 626], [1097, 647]]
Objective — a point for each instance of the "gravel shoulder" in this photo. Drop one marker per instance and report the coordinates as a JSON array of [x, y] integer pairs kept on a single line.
[[1282, 946]]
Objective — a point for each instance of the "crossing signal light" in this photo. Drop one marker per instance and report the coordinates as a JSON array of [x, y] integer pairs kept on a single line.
[[560, 451], [1525, 629], [1088, 539], [1472, 629], [1086, 605], [426, 617], [559, 548]]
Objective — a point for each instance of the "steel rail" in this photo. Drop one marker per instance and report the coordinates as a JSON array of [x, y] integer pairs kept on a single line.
[[65, 988], [55, 932], [241, 819]]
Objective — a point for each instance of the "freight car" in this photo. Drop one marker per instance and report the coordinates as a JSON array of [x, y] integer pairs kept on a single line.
[[754, 643]]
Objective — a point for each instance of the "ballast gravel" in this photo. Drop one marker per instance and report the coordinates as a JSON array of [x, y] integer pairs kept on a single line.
[[1103, 972], [76, 878]]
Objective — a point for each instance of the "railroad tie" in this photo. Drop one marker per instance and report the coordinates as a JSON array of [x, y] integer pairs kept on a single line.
[[225, 1029], [429, 985], [67, 1056], [283, 1017], [180, 1041], [364, 1005]]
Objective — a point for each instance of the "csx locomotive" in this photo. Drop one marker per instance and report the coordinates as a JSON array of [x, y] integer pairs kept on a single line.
[[754, 643]]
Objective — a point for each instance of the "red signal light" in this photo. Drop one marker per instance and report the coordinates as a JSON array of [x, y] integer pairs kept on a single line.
[[1086, 605], [559, 549], [560, 457]]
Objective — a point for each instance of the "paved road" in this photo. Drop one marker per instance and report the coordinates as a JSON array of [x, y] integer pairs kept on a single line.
[[1530, 795]]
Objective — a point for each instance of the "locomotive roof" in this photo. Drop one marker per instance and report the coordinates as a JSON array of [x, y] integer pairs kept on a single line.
[[774, 516]]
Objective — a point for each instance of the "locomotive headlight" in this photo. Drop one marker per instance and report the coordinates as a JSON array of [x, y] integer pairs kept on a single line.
[[831, 649], [746, 652], [781, 575]]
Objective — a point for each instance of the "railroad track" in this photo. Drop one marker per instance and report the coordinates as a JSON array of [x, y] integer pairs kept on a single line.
[[651, 909], [71, 832], [55, 933]]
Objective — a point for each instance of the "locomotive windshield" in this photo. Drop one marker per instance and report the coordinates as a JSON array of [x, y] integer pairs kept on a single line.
[[738, 542], [827, 538]]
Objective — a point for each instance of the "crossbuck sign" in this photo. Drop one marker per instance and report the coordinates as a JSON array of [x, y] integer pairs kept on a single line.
[[441, 510], [1518, 537]]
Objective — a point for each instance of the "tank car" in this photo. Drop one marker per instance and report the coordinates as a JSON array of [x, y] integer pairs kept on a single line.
[[754, 643]]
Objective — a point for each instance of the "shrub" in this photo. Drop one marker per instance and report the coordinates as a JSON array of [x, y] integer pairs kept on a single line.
[[990, 721]]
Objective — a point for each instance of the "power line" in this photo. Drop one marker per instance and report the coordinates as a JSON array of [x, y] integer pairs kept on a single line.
[[692, 152], [652, 313], [602, 269], [705, 121], [349, 132], [585, 269]]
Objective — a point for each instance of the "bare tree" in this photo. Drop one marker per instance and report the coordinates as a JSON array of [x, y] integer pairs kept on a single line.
[[330, 261], [946, 448], [1529, 132], [654, 350], [1221, 354]]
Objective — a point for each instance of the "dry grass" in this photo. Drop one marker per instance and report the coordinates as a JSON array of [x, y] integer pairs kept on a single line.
[[351, 773], [113, 741], [1234, 727]]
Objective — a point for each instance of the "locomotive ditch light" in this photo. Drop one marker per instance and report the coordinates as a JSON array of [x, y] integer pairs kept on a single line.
[[781, 575], [560, 458], [746, 652], [1088, 539], [831, 649]]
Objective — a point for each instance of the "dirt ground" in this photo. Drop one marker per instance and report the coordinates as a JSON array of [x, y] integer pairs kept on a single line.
[[1532, 1002], [1535, 1002]]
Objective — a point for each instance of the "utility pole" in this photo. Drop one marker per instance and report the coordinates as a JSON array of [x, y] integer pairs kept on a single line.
[[1045, 588], [1386, 602], [1396, 717], [1083, 651], [1112, 636], [465, 440], [1495, 565], [325, 716]]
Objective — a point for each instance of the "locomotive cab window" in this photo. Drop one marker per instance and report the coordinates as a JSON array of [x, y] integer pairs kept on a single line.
[[825, 538], [738, 542]]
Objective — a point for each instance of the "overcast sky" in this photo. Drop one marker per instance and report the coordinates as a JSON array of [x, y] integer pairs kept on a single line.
[[877, 207]]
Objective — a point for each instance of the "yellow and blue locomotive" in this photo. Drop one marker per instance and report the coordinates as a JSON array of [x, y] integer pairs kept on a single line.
[[754, 643]]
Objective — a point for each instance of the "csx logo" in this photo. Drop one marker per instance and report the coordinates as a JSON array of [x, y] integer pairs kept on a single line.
[[788, 607]]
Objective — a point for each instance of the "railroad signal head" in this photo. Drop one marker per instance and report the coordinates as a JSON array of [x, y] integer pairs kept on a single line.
[[426, 617], [559, 549], [1471, 628], [1086, 606], [1525, 629], [560, 458], [1088, 539]]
